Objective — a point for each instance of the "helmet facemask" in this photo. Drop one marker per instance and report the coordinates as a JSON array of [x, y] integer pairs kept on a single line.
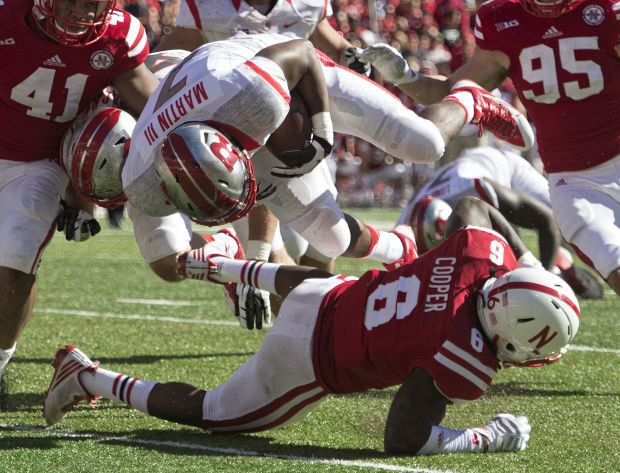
[[548, 9], [71, 31]]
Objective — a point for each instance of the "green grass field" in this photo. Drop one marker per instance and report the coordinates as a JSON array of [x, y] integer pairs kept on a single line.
[[101, 296]]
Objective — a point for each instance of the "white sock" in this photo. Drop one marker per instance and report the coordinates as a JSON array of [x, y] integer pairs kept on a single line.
[[466, 100], [253, 273], [444, 440], [118, 387], [5, 356], [385, 247]]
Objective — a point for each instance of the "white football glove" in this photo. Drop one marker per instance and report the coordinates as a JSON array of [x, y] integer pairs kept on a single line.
[[352, 55], [252, 306], [78, 225], [506, 433], [389, 62]]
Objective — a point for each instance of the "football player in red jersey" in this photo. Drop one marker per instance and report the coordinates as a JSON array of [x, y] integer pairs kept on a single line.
[[439, 326], [563, 59], [74, 49]]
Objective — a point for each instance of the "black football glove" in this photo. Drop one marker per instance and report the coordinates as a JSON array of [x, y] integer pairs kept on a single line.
[[78, 225], [302, 161], [352, 55]]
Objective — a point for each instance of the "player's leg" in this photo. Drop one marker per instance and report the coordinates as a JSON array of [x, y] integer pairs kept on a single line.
[[275, 387], [363, 108], [29, 203], [161, 240], [585, 207]]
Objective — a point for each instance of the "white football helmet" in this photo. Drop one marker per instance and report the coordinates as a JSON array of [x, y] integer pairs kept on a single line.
[[530, 315], [428, 219], [71, 32], [93, 151], [204, 175]]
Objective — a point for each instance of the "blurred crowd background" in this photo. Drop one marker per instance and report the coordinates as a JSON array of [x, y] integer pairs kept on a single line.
[[435, 36]]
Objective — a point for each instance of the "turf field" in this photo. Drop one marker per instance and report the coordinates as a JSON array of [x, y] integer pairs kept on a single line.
[[100, 296]]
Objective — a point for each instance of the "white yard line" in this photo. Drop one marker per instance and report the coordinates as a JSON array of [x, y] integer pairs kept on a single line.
[[224, 451], [158, 302], [86, 313]]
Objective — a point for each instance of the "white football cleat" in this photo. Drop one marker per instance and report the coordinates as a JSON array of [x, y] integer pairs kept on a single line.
[[497, 116], [66, 390], [410, 249]]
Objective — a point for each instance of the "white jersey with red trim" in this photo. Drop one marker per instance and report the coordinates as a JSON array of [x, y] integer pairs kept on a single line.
[[221, 19], [221, 83], [465, 176]]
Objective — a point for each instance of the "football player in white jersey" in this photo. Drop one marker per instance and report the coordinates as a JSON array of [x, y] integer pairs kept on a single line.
[[358, 107], [509, 183], [204, 21]]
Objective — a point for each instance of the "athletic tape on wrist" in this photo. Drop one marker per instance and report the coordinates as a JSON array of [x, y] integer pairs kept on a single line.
[[258, 250], [322, 126]]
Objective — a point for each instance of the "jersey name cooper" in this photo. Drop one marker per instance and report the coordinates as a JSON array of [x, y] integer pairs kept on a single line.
[[384, 325]]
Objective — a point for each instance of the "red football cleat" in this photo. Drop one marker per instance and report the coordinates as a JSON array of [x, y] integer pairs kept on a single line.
[[410, 249], [497, 116]]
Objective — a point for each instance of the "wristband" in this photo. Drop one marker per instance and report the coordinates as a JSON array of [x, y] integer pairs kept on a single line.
[[409, 76], [322, 126], [258, 250]]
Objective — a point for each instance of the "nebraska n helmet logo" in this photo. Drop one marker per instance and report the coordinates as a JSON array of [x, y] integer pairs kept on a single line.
[[543, 337]]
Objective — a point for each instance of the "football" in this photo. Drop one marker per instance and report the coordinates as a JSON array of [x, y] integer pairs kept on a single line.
[[296, 129]]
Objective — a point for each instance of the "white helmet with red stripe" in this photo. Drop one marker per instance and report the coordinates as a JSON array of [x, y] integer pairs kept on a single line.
[[204, 175], [530, 315], [93, 151], [71, 31], [428, 220]]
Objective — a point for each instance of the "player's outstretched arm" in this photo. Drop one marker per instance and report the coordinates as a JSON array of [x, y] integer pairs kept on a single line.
[[472, 211], [416, 408], [180, 38], [525, 211], [304, 74], [135, 86], [413, 428]]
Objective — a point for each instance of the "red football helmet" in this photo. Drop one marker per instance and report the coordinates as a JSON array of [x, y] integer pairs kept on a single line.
[[204, 175], [72, 31], [548, 8], [428, 219], [93, 151]]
